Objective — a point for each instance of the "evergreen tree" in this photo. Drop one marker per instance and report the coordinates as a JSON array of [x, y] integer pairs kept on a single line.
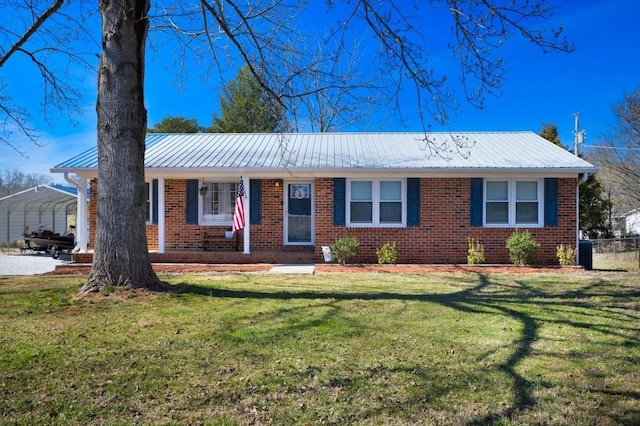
[[247, 108], [594, 209], [550, 133], [176, 124]]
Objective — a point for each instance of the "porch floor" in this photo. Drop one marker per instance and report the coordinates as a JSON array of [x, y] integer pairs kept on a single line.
[[221, 257]]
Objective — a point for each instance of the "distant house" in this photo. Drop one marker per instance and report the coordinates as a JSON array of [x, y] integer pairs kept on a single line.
[[303, 191], [630, 223]]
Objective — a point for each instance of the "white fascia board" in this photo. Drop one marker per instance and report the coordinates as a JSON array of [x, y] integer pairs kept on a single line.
[[258, 173], [197, 173], [78, 171]]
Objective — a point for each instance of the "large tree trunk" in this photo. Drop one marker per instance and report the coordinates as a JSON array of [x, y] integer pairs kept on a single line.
[[121, 257]]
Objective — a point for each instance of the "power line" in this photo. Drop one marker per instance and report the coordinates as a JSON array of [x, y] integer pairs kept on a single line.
[[611, 147]]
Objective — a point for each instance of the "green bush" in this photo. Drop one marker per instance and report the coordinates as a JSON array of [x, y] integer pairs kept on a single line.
[[566, 255], [475, 253], [344, 248], [387, 254], [522, 248]]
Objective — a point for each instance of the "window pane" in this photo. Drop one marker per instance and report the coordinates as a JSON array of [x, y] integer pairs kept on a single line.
[[390, 191], [527, 191], [497, 212], [526, 212], [361, 191], [219, 202], [361, 212], [390, 212], [497, 191]]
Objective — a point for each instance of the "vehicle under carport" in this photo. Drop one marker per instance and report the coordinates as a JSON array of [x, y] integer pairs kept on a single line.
[[43, 207]]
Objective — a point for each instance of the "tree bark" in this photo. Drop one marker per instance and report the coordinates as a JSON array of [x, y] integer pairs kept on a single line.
[[121, 256]]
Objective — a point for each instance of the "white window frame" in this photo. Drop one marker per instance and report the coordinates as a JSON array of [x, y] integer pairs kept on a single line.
[[149, 202], [511, 202], [201, 216], [375, 223]]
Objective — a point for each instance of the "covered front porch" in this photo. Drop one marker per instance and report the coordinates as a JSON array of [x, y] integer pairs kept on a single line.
[[279, 225]]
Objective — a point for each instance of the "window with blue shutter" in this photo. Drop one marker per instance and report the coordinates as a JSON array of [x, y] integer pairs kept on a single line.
[[551, 202], [255, 203], [339, 201], [476, 200], [192, 201], [154, 201], [413, 202]]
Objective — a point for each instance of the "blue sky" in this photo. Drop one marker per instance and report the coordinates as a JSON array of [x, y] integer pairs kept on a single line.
[[539, 88]]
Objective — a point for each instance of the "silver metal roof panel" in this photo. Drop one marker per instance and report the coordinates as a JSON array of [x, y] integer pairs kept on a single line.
[[318, 152]]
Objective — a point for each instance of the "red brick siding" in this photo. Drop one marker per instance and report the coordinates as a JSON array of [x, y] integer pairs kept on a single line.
[[441, 236], [444, 226], [179, 235], [269, 233]]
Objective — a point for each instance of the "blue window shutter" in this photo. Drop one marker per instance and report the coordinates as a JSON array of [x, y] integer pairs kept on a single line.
[[255, 203], [551, 202], [413, 202], [476, 199], [154, 201], [192, 201], [339, 201]]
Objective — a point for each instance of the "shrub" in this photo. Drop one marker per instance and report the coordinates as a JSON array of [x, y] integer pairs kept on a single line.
[[387, 254], [475, 253], [344, 248], [522, 248], [566, 255]]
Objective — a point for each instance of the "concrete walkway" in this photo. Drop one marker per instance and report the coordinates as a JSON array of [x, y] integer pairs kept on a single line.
[[292, 269]]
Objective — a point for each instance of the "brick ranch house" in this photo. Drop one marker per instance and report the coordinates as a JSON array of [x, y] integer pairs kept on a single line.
[[304, 191]]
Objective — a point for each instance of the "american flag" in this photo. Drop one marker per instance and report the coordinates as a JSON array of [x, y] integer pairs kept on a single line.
[[238, 214]]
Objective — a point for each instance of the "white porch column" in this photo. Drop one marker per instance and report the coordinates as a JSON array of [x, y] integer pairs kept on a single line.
[[161, 210], [247, 213], [82, 222]]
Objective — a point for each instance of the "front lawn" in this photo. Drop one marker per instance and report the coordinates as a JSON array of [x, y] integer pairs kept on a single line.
[[387, 349]]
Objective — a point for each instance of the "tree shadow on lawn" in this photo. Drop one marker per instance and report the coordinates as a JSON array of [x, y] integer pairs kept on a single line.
[[511, 303]]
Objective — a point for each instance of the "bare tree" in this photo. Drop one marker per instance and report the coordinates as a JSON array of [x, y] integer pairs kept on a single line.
[[12, 181], [620, 153], [328, 107], [120, 255], [267, 36], [50, 38]]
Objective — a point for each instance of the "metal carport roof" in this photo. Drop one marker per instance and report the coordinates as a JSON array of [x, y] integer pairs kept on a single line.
[[34, 209]]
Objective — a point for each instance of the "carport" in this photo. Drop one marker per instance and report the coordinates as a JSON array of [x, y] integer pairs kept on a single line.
[[50, 207]]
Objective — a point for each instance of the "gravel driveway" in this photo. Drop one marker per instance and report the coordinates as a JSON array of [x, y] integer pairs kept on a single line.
[[30, 263]]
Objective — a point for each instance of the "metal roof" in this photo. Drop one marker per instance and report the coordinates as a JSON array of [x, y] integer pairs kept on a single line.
[[347, 152], [42, 205], [43, 194]]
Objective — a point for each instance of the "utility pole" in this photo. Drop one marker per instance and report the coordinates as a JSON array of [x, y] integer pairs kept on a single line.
[[578, 138], [578, 135]]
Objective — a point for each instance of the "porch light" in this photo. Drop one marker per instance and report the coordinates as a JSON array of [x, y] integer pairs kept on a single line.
[[203, 189]]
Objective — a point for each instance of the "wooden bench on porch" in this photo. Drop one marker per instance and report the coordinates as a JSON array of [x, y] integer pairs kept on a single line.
[[216, 239]]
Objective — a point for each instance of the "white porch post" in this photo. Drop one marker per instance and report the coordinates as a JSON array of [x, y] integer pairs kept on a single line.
[[578, 222], [82, 223], [161, 210], [247, 213]]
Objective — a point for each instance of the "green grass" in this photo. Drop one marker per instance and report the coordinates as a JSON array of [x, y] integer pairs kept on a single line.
[[627, 261], [387, 349]]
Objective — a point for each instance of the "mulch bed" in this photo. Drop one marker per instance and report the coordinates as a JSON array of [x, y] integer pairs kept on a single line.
[[328, 268]]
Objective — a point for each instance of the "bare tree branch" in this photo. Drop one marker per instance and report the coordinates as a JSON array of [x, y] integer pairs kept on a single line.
[[54, 38], [620, 153], [36, 25]]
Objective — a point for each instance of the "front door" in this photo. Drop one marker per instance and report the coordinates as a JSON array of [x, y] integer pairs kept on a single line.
[[298, 216]]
